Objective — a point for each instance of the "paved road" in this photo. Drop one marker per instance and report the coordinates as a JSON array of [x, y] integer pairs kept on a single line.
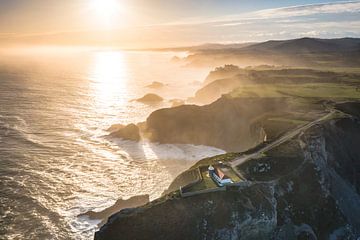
[[284, 138]]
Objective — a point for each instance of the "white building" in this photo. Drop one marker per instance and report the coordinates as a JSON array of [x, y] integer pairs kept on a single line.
[[218, 176]]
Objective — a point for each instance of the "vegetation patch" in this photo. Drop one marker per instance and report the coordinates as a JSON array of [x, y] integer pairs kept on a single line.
[[274, 164], [227, 157], [309, 90]]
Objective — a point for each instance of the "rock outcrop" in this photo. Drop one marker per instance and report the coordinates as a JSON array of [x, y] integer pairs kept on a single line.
[[120, 204], [130, 132], [150, 98], [156, 85], [228, 70], [176, 102], [228, 124]]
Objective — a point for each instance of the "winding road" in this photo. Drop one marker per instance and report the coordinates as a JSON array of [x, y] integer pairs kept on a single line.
[[282, 139]]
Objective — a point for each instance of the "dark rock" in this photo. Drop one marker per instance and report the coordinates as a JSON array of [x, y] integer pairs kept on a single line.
[[120, 204], [209, 216], [352, 108]]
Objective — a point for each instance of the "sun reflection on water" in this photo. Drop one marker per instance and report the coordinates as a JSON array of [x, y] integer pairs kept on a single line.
[[109, 75]]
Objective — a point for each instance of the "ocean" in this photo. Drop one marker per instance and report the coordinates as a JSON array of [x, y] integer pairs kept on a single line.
[[55, 161]]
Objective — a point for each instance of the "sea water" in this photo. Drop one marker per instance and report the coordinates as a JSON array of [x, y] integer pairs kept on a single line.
[[55, 162]]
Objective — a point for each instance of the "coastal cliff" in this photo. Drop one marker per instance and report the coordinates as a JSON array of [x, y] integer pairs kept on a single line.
[[228, 123], [308, 189]]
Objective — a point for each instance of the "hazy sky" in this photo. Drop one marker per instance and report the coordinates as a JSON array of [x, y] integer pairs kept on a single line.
[[161, 23]]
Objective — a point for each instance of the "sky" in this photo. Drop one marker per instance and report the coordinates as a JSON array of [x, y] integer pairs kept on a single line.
[[171, 23]]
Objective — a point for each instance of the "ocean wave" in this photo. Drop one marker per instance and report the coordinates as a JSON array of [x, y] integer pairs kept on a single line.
[[13, 123], [16, 127], [155, 151]]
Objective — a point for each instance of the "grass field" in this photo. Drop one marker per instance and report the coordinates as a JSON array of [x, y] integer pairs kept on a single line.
[[310, 90], [206, 183]]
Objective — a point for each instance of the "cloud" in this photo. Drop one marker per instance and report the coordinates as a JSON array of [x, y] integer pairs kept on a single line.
[[326, 20], [306, 10], [276, 13]]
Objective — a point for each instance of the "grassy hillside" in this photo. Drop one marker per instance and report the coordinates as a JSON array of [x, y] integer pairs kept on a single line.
[[309, 90], [304, 52], [277, 82]]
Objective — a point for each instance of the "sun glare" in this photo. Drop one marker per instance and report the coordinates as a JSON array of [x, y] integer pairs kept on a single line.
[[106, 11], [109, 76]]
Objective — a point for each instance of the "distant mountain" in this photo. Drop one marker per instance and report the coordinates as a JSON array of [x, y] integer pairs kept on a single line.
[[205, 47], [213, 46], [310, 45], [304, 52]]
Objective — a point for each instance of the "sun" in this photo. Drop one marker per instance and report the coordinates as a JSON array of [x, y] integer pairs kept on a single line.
[[106, 11]]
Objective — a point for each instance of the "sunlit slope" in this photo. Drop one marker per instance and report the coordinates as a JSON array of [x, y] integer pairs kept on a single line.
[[305, 52], [268, 81], [251, 105], [310, 90]]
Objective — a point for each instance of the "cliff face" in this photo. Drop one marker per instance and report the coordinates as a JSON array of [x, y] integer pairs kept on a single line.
[[222, 72], [222, 215], [229, 124], [119, 204], [308, 189], [316, 179]]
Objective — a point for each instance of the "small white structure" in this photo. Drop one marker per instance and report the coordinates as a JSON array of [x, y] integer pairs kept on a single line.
[[218, 176]]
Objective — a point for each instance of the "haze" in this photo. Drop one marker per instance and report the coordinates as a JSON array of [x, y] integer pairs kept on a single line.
[[162, 23]]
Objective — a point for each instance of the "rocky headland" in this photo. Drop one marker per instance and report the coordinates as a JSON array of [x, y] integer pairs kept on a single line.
[[306, 188], [228, 124]]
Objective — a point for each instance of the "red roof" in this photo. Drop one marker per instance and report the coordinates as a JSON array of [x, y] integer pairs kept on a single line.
[[220, 174]]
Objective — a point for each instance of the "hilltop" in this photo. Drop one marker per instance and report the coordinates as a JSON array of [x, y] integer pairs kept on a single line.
[[308, 45], [314, 52]]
